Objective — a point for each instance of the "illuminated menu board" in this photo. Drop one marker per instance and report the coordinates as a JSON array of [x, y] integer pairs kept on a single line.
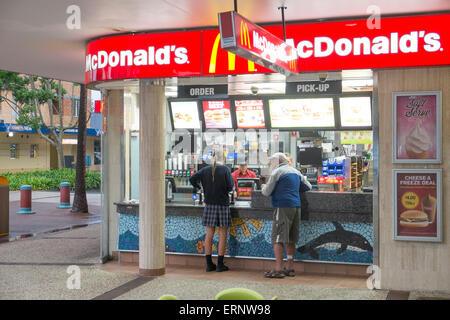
[[250, 113], [217, 114], [302, 113], [355, 112], [185, 115]]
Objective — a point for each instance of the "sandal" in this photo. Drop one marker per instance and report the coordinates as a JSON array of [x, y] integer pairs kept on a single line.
[[289, 272], [274, 274]]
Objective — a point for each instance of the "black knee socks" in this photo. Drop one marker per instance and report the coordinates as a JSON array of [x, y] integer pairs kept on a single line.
[[209, 260]]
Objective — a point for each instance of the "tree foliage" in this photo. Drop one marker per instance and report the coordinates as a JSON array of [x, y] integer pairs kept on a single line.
[[38, 102]]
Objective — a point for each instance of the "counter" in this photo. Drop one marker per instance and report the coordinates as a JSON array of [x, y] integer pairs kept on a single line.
[[336, 227]]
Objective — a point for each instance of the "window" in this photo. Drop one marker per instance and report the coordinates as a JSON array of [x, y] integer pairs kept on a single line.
[[75, 107], [14, 114], [97, 152], [55, 109], [13, 150], [34, 148]]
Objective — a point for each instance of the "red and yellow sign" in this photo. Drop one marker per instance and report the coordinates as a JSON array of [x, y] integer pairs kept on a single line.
[[400, 42], [248, 40], [331, 180]]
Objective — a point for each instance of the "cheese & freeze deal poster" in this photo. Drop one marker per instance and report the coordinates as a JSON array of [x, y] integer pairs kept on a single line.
[[417, 207]]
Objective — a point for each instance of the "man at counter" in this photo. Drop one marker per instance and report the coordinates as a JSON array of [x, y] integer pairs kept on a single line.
[[284, 187], [242, 172]]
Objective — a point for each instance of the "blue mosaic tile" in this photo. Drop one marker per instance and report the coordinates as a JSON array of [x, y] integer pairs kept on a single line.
[[318, 241], [128, 241]]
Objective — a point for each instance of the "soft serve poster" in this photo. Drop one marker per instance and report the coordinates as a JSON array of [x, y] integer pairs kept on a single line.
[[417, 130]]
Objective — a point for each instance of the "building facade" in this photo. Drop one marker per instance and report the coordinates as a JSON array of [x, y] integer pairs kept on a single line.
[[23, 149]]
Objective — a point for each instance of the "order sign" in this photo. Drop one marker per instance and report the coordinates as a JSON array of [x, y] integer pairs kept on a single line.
[[217, 114], [302, 113], [250, 113]]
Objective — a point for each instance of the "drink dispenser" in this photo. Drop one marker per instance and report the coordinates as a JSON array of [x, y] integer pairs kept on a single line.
[[170, 189]]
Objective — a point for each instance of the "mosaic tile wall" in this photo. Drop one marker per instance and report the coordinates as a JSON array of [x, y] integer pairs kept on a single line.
[[319, 241]]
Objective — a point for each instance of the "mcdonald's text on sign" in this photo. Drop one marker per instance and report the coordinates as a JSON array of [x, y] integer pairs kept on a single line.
[[249, 41], [412, 41]]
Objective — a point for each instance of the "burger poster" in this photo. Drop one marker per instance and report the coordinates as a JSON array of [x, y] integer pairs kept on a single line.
[[417, 127], [217, 114], [185, 115], [250, 113], [417, 205], [302, 113]]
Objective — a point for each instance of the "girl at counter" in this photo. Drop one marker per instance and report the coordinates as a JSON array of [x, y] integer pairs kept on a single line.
[[217, 182]]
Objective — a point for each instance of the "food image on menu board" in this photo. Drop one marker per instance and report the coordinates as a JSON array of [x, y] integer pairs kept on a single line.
[[185, 115], [217, 114], [250, 113], [355, 112], [356, 137], [301, 113]]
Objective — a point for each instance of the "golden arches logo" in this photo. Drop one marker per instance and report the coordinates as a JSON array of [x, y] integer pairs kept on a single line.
[[231, 59], [245, 35], [292, 60], [292, 65]]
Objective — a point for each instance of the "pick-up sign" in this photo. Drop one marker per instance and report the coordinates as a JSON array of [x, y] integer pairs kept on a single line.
[[314, 87]]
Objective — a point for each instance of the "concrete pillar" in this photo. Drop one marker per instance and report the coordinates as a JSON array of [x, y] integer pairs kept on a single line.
[[152, 113], [112, 172]]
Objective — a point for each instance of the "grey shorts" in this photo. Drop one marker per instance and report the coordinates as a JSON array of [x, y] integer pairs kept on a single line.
[[286, 224]]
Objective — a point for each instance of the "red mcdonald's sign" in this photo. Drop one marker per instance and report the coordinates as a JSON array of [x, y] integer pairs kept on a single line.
[[422, 40], [248, 40]]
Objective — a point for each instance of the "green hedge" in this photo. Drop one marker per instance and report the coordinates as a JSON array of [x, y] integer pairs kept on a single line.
[[50, 180]]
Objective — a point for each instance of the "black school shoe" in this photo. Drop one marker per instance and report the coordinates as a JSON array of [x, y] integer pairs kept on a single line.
[[210, 267], [221, 268]]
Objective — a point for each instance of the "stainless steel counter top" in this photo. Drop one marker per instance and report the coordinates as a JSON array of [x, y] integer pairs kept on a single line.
[[322, 206]]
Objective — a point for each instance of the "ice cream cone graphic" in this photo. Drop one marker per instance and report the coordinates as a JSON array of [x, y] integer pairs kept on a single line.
[[418, 143]]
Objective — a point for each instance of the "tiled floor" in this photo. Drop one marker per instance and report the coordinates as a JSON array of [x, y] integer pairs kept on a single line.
[[245, 276]]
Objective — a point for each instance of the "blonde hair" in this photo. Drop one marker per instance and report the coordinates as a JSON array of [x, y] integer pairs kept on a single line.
[[214, 165], [217, 155]]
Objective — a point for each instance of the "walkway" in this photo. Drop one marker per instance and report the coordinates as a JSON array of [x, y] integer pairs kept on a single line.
[[37, 268], [48, 217]]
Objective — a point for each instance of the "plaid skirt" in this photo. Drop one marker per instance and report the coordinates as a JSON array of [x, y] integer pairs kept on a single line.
[[216, 216]]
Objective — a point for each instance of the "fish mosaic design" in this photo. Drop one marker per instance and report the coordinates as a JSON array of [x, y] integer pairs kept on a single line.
[[339, 235]]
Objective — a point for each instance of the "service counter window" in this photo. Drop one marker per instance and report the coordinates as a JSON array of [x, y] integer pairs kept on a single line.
[[335, 160]]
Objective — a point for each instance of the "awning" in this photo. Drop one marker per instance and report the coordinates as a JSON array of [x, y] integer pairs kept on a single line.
[[12, 127]]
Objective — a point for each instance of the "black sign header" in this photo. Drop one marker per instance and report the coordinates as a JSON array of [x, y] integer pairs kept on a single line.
[[198, 91], [314, 87]]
